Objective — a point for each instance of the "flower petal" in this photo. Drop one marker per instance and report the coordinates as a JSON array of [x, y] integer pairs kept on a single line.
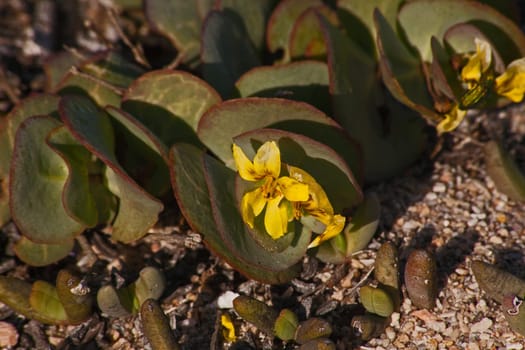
[[267, 161], [452, 120], [478, 63], [276, 218], [318, 197], [511, 83], [244, 166], [333, 229], [292, 189], [228, 331]]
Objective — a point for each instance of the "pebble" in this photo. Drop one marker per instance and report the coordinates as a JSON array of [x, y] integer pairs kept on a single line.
[[439, 187], [225, 300], [481, 326], [8, 335]]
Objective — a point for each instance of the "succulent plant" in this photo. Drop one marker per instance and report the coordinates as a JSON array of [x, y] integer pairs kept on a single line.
[[156, 326], [421, 278]]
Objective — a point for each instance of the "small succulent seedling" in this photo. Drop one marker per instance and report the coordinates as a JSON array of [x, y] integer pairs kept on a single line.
[[369, 326], [67, 302], [156, 326], [126, 301], [421, 278]]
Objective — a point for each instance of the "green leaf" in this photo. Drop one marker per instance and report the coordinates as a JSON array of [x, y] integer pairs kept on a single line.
[[391, 136], [504, 171], [307, 39], [40, 254], [320, 161], [150, 284], [35, 105], [256, 312], [76, 83], [57, 67], [179, 21], [402, 71], [141, 153], [112, 68], [44, 301], [190, 189], [286, 325], [356, 235], [15, 292], [76, 196], [386, 266], [226, 52], [91, 126], [156, 327], [170, 104], [39, 176], [497, 283], [254, 15], [74, 297], [222, 123], [369, 326], [376, 301], [305, 81], [108, 300], [282, 21], [413, 19]]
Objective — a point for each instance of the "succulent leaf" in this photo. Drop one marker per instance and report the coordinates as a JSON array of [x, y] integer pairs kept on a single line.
[[74, 296], [286, 325], [376, 301], [256, 312], [421, 278], [41, 254], [312, 328], [504, 171], [156, 326]]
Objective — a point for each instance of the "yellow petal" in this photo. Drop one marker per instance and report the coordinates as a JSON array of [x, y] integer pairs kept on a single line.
[[244, 165], [452, 120], [511, 83], [228, 331], [276, 218], [247, 210], [267, 161], [333, 229], [478, 63], [318, 198], [292, 189]]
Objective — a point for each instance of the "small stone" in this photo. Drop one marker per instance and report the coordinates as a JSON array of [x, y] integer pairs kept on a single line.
[[439, 187], [8, 335], [431, 196], [495, 240], [225, 300], [481, 326]]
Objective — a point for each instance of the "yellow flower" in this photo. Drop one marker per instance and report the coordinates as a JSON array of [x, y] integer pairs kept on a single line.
[[317, 206], [478, 64], [511, 83], [451, 120], [273, 192], [228, 331]]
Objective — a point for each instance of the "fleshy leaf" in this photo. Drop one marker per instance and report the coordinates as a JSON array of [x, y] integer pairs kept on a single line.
[[190, 189], [40, 254], [170, 104], [44, 301], [504, 171], [376, 301], [156, 326], [91, 126], [150, 284], [413, 19], [356, 235], [312, 328], [307, 39], [76, 196], [112, 68], [320, 161], [305, 81], [421, 278], [141, 153], [35, 105], [38, 177], [369, 326], [226, 52], [108, 300], [101, 92], [391, 136], [254, 15], [497, 283], [282, 21], [256, 312], [179, 20], [220, 124], [74, 297], [401, 71], [57, 67], [286, 325]]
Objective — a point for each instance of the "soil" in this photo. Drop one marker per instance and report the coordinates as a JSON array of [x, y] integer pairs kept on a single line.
[[445, 203]]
